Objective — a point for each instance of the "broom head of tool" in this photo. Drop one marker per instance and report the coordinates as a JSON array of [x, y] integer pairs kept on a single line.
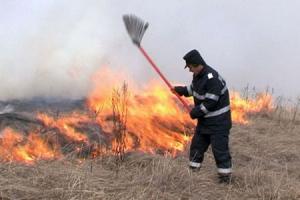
[[136, 28]]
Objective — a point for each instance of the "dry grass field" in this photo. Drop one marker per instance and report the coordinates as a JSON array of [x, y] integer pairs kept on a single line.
[[266, 166]]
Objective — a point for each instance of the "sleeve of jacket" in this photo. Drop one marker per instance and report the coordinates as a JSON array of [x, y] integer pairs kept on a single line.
[[214, 89], [184, 90]]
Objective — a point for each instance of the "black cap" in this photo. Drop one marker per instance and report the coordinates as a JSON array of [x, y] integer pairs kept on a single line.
[[193, 57]]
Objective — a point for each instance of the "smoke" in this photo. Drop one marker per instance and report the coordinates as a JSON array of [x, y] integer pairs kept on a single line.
[[6, 109], [52, 48]]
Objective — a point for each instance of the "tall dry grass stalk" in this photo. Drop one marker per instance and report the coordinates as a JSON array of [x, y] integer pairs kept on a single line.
[[120, 111], [295, 110]]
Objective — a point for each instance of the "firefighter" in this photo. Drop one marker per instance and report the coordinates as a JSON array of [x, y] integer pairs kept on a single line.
[[212, 111]]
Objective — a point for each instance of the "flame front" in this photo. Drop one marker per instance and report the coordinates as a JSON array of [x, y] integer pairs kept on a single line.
[[14, 147], [63, 124], [151, 119], [241, 107], [154, 120]]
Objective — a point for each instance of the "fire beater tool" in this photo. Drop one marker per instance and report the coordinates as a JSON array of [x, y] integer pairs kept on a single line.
[[136, 28]]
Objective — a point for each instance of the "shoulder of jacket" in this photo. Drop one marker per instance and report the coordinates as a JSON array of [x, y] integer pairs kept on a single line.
[[211, 73]]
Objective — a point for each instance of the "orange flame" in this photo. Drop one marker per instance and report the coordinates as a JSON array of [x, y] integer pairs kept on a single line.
[[241, 107], [155, 122], [14, 147], [63, 124]]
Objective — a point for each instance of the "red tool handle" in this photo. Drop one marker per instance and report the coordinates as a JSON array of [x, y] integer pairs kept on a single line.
[[186, 106]]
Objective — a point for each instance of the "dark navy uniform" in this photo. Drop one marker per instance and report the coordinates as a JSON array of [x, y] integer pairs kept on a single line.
[[212, 109]]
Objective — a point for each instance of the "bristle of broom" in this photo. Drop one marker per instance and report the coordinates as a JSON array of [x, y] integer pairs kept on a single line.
[[135, 27]]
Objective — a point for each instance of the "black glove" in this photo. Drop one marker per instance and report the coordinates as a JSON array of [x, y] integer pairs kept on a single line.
[[196, 112], [180, 90]]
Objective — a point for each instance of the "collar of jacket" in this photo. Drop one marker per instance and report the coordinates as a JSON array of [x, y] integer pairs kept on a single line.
[[202, 73]]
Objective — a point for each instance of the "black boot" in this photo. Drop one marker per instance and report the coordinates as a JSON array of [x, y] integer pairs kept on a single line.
[[225, 178], [194, 169]]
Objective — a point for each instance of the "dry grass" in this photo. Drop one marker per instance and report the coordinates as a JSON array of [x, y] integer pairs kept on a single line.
[[266, 166]]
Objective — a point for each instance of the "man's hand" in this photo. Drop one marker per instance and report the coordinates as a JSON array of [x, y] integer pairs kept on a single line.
[[180, 90], [196, 112]]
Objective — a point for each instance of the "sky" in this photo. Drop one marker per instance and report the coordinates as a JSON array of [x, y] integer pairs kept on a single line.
[[51, 48]]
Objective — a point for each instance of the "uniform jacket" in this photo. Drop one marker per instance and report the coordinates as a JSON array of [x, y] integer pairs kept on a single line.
[[211, 98]]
